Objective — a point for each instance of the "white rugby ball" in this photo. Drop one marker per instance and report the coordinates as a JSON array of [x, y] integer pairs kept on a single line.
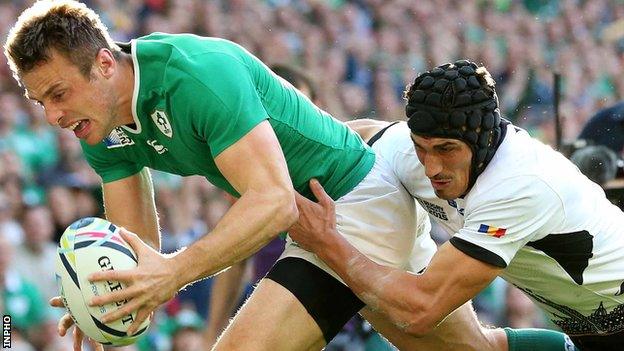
[[91, 245]]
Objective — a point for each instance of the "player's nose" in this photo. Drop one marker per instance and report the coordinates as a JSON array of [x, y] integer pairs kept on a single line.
[[53, 115], [433, 166]]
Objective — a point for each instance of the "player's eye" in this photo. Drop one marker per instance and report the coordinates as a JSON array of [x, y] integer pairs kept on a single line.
[[58, 96], [446, 149]]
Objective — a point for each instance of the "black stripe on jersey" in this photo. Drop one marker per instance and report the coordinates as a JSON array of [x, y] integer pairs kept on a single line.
[[571, 250], [378, 135], [477, 252]]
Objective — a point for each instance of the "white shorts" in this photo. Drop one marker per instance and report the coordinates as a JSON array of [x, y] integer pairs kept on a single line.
[[383, 221]]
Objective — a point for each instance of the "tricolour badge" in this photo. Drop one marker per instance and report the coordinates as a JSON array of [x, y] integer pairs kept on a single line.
[[493, 231]]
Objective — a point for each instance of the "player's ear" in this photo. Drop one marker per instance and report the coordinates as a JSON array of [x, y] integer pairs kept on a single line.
[[105, 63]]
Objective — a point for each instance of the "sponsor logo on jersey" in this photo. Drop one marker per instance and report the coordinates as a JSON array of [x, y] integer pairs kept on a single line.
[[162, 122], [117, 138], [493, 231], [434, 210], [159, 148], [453, 204]]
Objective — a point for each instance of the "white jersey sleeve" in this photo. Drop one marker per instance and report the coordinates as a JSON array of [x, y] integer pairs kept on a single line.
[[502, 218]]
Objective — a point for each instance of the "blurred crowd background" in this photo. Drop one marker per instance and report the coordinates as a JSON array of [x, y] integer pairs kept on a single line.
[[360, 55]]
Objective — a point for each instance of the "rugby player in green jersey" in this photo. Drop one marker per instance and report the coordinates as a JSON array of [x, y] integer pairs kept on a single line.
[[191, 105]]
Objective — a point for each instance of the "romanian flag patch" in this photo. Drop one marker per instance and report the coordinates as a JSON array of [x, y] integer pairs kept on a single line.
[[493, 231]]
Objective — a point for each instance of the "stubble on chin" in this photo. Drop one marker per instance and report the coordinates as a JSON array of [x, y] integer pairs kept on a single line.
[[440, 195]]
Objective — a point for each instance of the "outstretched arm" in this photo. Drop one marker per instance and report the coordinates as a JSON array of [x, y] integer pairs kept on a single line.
[[415, 303], [256, 168]]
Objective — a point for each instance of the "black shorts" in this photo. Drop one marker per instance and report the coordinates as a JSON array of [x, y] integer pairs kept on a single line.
[[327, 300], [611, 342]]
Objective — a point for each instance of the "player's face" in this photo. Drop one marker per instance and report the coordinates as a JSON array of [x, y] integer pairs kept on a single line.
[[85, 105], [447, 164]]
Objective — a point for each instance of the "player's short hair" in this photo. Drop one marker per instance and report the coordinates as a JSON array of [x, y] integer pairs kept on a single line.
[[66, 26], [457, 101], [298, 78]]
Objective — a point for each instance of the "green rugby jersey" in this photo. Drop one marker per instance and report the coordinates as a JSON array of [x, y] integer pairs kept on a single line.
[[195, 96]]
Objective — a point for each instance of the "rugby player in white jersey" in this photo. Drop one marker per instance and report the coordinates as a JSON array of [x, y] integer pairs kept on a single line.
[[515, 207]]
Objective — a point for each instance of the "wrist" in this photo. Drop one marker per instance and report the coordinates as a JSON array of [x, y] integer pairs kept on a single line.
[[180, 268], [331, 247]]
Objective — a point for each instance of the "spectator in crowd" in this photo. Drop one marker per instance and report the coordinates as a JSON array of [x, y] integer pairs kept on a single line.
[[63, 208], [19, 298], [606, 128], [9, 226], [187, 331], [37, 254]]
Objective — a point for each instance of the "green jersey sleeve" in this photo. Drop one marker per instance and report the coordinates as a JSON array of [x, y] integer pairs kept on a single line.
[[216, 91], [107, 163]]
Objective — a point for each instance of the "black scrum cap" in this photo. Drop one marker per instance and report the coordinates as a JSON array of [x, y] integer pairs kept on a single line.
[[458, 101]]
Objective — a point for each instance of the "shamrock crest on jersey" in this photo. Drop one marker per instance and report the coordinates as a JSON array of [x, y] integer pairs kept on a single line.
[[162, 122]]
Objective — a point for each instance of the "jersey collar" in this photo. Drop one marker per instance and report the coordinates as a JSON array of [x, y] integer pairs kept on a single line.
[[132, 50]]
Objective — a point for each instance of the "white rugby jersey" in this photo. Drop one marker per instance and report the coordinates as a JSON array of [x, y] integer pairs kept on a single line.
[[533, 213]]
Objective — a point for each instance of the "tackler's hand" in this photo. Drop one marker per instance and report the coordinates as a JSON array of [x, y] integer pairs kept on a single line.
[[316, 228]]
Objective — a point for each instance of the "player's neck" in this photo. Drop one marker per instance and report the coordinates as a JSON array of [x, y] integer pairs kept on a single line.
[[125, 87]]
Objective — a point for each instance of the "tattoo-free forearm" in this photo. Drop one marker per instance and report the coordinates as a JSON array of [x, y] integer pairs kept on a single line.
[[414, 303], [254, 220], [384, 289]]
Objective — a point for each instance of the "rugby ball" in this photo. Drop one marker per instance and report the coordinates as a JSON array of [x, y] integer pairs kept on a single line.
[[91, 245]]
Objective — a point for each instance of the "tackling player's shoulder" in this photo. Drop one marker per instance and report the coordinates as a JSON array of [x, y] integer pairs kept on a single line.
[[367, 127], [525, 168]]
